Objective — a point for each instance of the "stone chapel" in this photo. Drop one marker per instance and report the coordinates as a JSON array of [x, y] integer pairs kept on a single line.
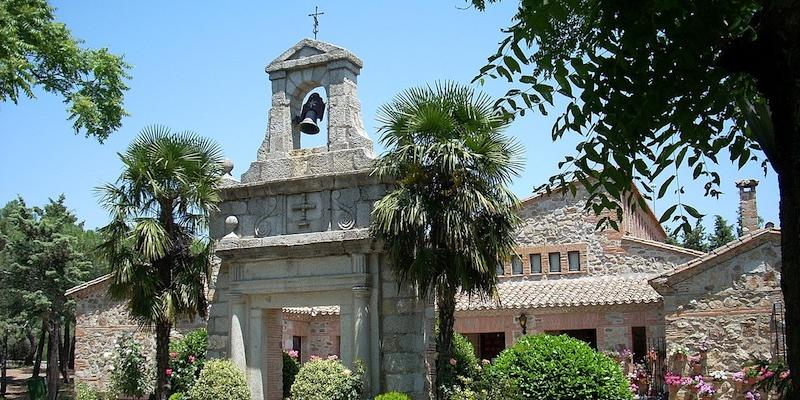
[[298, 270]]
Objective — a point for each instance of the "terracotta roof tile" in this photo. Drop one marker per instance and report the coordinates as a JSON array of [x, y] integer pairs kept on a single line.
[[575, 292]]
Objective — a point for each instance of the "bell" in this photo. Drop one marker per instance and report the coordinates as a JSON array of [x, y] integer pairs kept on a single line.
[[311, 113], [309, 123]]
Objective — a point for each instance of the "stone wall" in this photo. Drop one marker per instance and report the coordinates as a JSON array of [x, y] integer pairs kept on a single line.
[[728, 305], [320, 334], [100, 322], [558, 219]]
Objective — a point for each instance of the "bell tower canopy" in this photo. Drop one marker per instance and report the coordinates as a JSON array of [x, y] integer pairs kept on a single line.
[[310, 53], [308, 65]]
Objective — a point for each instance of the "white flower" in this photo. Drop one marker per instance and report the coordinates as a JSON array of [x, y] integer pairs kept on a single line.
[[719, 375], [107, 354]]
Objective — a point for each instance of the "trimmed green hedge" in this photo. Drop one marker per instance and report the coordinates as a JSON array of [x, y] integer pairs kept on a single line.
[[327, 379], [545, 367]]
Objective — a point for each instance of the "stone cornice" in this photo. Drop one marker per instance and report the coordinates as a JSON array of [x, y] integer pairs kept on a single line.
[[306, 184], [297, 245]]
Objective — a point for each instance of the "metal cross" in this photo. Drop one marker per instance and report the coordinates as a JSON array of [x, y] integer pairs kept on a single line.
[[316, 15]]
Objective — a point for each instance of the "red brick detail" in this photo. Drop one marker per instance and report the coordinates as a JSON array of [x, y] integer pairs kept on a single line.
[[273, 360]]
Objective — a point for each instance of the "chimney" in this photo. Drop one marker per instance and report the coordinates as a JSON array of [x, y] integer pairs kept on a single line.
[[748, 213]]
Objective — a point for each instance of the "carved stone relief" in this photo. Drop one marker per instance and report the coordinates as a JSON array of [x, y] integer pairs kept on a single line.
[[269, 223], [344, 208]]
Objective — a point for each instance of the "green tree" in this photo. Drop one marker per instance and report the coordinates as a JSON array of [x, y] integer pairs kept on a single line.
[[44, 263], [655, 87], [449, 219], [160, 206], [696, 238], [722, 235], [38, 51]]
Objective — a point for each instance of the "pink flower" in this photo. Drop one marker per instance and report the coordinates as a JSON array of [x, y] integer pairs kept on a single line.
[[173, 354], [784, 374], [333, 357], [453, 362], [485, 362], [293, 353], [169, 371], [192, 359]]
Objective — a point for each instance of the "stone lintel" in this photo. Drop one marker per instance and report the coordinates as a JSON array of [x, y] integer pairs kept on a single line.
[[296, 245], [302, 284], [326, 53]]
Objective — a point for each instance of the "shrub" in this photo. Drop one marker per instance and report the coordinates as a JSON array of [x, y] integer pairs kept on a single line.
[[85, 392], [129, 376], [220, 380], [327, 379], [466, 363], [290, 369], [176, 396], [393, 396], [186, 359], [545, 367]]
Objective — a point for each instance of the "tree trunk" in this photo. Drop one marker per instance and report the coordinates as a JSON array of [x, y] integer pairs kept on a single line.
[[446, 299], [162, 359], [64, 358], [4, 365], [53, 348], [37, 361], [32, 350], [71, 354]]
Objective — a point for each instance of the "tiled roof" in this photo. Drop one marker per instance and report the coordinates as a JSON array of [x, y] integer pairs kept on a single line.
[[86, 285], [575, 292], [313, 311], [716, 256]]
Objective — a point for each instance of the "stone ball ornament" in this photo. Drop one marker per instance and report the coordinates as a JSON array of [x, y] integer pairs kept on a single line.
[[231, 223]]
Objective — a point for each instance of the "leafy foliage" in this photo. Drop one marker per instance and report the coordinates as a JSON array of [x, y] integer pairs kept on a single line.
[[130, 374], [327, 379], [186, 359], [38, 51], [546, 367], [466, 363], [220, 380], [392, 396], [290, 369], [449, 219], [647, 95], [159, 208]]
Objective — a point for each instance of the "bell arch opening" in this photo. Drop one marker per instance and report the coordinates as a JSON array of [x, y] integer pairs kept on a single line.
[[300, 121]]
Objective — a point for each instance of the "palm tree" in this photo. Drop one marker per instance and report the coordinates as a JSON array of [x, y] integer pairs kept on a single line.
[[159, 208], [450, 218]]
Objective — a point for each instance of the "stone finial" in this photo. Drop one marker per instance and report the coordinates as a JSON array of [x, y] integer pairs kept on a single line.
[[748, 211], [227, 178], [231, 223]]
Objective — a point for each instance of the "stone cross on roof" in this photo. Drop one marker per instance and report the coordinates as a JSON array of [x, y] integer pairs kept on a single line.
[[316, 15]]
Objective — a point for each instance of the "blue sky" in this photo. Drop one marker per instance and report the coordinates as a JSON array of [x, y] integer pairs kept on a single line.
[[200, 66]]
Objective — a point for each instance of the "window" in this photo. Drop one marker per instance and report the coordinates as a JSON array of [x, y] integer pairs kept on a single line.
[[555, 262], [516, 265], [536, 263], [500, 270], [574, 260]]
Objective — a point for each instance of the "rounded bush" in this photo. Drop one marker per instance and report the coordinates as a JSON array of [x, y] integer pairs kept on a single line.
[[393, 396], [290, 369], [545, 367], [220, 380], [327, 379], [464, 365]]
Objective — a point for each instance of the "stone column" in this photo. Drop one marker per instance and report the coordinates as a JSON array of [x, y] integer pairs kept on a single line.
[[361, 334], [238, 323], [254, 355]]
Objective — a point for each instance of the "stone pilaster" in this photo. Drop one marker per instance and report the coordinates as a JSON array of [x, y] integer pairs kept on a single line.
[[255, 361], [361, 329], [238, 323]]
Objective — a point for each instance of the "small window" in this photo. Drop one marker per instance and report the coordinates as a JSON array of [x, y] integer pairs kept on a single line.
[[516, 265], [500, 270], [555, 262], [536, 263], [574, 260]]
